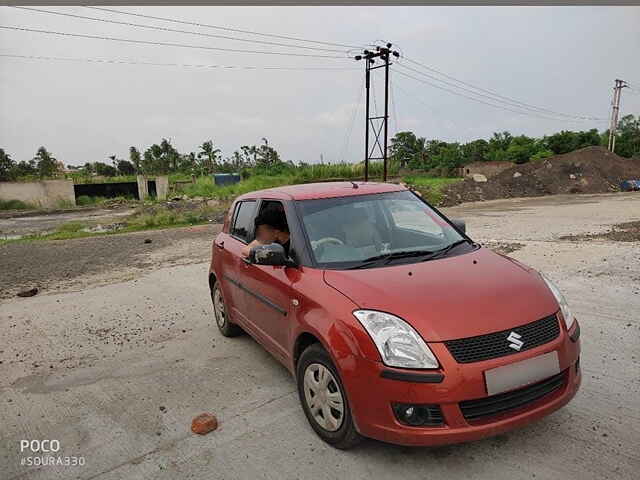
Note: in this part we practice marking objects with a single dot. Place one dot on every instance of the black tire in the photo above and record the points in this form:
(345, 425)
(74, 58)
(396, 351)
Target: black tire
(346, 436)
(225, 326)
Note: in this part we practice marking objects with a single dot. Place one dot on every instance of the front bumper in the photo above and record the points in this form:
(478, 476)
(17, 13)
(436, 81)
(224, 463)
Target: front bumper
(372, 393)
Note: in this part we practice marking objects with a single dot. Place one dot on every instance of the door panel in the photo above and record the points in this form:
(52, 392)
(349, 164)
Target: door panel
(232, 265)
(268, 296)
(230, 245)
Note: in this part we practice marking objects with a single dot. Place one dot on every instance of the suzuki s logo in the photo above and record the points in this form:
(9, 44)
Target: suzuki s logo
(516, 343)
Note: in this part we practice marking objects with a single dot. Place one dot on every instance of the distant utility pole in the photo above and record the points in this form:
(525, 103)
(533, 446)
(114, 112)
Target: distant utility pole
(615, 109)
(370, 122)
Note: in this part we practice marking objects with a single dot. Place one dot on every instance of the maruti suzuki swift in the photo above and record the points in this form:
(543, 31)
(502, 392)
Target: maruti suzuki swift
(395, 324)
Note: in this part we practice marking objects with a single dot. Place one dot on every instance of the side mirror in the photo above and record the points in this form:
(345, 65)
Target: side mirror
(460, 224)
(272, 254)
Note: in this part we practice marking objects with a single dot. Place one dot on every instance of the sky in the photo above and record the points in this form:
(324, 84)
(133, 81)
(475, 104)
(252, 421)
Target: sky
(560, 58)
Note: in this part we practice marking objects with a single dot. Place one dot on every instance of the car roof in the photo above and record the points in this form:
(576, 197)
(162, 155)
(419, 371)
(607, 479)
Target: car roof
(309, 191)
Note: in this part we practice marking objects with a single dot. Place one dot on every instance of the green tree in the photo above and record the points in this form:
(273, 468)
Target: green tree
(433, 152)
(448, 158)
(267, 157)
(125, 167)
(163, 158)
(105, 170)
(521, 149)
(135, 159)
(88, 169)
(475, 151)
(407, 150)
(189, 163)
(208, 156)
(25, 169)
(7, 167)
(628, 137)
(567, 141)
(171, 154)
(498, 145)
(47, 165)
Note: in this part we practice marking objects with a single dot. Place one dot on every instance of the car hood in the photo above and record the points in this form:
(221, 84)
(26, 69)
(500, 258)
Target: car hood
(453, 297)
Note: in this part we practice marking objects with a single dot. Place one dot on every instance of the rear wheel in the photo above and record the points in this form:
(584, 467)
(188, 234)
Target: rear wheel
(227, 328)
(324, 400)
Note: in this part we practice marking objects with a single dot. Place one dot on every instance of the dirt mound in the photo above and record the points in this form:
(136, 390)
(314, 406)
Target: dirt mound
(588, 170)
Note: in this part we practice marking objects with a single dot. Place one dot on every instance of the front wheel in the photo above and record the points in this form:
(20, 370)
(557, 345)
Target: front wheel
(227, 328)
(324, 400)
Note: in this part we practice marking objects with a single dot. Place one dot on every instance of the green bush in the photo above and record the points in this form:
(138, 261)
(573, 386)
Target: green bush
(541, 155)
(430, 187)
(14, 205)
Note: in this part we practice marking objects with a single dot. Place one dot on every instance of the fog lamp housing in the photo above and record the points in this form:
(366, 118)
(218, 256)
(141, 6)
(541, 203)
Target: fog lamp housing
(418, 415)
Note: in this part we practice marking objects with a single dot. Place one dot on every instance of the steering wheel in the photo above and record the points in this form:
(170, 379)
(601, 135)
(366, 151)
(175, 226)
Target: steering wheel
(320, 245)
(325, 240)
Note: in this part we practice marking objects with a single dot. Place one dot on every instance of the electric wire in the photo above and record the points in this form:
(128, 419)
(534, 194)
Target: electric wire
(393, 103)
(502, 107)
(510, 100)
(415, 97)
(157, 64)
(347, 143)
(165, 44)
(218, 27)
(173, 30)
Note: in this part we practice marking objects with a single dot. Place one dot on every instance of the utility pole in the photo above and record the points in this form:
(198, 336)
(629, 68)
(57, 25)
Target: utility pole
(615, 109)
(383, 53)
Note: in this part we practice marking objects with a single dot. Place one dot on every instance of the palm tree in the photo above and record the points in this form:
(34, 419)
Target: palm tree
(210, 154)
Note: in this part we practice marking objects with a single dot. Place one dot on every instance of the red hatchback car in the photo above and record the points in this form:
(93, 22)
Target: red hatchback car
(394, 323)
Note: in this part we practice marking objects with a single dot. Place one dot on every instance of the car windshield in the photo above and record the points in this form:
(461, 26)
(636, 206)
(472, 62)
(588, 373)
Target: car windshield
(374, 230)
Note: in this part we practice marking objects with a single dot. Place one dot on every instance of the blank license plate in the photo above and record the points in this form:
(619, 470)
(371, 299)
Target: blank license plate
(514, 375)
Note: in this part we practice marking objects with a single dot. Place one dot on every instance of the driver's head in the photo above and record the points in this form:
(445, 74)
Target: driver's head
(271, 226)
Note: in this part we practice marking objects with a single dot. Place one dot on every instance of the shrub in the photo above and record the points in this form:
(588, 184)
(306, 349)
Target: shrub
(14, 205)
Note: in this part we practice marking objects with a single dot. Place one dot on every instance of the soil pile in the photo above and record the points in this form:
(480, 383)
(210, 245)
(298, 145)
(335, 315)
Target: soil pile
(588, 170)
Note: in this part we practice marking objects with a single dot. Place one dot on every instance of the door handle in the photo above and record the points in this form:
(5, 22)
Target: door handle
(219, 245)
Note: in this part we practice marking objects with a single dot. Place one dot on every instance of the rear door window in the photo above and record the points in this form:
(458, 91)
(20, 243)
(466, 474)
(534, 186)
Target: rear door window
(242, 227)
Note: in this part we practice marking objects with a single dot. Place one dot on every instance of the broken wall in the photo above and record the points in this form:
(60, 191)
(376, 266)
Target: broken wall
(44, 193)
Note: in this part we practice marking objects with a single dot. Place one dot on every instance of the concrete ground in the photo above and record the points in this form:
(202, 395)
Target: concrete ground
(116, 372)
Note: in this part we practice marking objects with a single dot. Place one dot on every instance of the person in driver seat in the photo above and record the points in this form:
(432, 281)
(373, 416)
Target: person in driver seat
(270, 227)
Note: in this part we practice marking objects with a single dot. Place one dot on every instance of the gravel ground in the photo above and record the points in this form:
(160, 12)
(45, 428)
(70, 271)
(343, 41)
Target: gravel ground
(116, 372)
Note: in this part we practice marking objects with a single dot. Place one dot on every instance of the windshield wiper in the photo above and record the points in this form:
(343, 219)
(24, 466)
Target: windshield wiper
(443, 251)
(388, 257)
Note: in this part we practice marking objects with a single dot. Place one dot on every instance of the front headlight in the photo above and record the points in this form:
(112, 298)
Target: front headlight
(398, 343)
(564, 306)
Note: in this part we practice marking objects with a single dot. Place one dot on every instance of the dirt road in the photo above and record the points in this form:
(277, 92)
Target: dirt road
(76, 264)
(28, 223)
(115, 370)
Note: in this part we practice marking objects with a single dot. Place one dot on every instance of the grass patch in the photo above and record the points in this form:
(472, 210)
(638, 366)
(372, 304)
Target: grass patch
(64, 204)
(71, 227)
(204, 186)
(151, 218)
(430, 187)
(83, 179)
(85, 200)
(14, 205)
